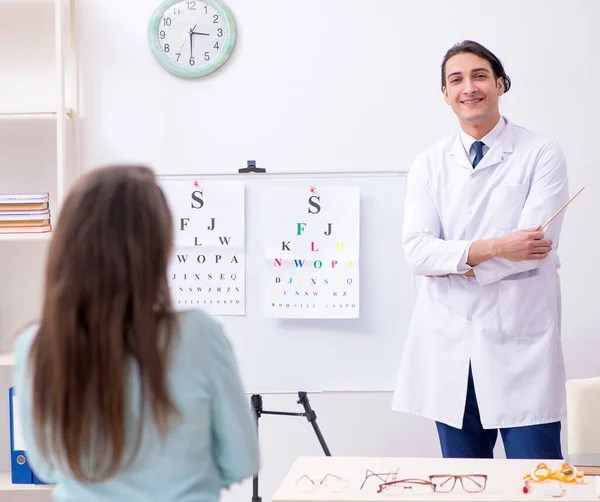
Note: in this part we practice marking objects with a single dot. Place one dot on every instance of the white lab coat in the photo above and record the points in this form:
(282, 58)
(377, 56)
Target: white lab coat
(506, 321)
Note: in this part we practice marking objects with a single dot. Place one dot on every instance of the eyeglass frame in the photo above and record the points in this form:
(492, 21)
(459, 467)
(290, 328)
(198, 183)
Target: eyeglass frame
(381, 475)
(414, 481)
(461, 476)
(434, 486)
(318, 483)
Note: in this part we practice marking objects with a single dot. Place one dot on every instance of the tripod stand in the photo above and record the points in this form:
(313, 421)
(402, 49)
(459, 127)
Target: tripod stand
(310, 415)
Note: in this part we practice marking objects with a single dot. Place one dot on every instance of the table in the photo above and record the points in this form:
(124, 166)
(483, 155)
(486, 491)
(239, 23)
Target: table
(504, 483)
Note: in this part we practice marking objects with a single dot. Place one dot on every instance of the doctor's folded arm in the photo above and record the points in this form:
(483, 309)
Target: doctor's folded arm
(483, 354)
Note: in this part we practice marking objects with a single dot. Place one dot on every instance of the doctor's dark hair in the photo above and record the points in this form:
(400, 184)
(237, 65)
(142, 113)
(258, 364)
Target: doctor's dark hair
(468, 46)
(107, 314)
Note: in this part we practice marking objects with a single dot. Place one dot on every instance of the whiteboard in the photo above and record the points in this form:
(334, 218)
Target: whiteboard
(288, 355)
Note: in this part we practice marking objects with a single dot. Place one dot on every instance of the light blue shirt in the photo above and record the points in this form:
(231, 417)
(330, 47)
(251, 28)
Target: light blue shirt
(213, 445)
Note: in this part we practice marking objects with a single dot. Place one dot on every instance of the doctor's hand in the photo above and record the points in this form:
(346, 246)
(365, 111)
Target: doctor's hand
(523, 245)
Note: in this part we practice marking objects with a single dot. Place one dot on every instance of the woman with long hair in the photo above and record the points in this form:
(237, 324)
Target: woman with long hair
(121, 398)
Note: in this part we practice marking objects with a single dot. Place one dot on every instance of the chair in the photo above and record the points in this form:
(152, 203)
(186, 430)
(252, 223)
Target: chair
(583, 424)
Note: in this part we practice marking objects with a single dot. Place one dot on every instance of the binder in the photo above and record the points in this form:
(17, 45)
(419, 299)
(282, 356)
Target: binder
(38, 481)
(20, 471)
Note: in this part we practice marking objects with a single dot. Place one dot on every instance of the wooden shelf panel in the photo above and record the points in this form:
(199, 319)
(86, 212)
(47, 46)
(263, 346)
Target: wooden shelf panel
(26, 237)
(7, 359)
(7, 113)
(27, 2)
(6, 484)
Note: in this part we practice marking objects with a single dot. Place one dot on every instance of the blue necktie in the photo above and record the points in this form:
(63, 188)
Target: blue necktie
(478, 147)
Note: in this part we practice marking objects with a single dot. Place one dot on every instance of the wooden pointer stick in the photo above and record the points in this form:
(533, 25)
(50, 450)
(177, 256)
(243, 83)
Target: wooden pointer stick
(558, 212)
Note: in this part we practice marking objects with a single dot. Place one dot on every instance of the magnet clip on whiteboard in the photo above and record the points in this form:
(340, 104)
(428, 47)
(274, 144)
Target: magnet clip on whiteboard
(252, 168)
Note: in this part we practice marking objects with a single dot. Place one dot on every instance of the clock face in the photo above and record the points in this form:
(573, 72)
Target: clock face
(191, 38)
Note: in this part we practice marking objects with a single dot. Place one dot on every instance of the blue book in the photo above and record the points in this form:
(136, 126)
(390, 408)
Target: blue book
(20, 471)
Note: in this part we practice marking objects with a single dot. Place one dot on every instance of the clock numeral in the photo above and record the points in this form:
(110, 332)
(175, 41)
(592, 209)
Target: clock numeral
(192, 61)
(206, 9)
(215, 18)
(206, 56)
(166, 48)
(178, 54)
(176, 10)
(217, 46)
(191, 5)
(162, 34)
(167, 21)
(220, 32)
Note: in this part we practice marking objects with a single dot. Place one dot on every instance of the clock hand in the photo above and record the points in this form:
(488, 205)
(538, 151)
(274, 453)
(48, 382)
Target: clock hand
(192, 41)
(184, 42)
(196, 33)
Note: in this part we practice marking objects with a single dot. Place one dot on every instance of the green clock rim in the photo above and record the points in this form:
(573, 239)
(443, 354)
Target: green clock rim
(167, 63)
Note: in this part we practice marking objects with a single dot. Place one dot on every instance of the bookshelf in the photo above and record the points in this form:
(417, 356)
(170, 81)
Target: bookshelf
(39, 104)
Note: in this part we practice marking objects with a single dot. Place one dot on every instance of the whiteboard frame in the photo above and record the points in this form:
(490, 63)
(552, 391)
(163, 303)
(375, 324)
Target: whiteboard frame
(282, 174)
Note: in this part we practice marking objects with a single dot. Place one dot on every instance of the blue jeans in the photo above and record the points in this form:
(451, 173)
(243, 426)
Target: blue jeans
(473, 441)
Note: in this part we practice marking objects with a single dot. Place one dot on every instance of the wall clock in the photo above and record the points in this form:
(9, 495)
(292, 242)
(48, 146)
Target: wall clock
(191, 38)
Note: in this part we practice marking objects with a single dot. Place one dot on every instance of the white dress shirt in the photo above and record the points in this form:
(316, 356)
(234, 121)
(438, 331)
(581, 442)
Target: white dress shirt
(488, 140)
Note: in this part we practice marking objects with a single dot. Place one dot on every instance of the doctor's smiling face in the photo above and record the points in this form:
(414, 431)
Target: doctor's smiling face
(472, 90)
(471, 87)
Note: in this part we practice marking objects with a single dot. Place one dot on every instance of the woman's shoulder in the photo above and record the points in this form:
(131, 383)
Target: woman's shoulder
(195, 319)
(24, 340)
(200, 329)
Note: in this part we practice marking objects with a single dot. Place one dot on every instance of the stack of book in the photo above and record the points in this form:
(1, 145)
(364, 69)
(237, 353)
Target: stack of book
(24, 213)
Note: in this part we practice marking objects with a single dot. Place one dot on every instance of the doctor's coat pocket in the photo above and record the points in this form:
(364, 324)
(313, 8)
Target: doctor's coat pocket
(506, 205)
(525, 305)
(431, 308)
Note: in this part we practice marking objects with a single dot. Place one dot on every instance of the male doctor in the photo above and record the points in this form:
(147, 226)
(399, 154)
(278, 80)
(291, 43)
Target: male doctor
(484, 351)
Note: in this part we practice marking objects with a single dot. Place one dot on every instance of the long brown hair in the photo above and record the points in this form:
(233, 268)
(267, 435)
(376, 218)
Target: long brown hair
(106, 305)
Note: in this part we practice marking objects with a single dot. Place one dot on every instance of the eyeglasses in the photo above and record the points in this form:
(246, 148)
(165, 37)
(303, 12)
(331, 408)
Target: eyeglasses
(440, 483)
(386, 477)
(472, 483)
(407, 486)
(566, 474)
(331, 482)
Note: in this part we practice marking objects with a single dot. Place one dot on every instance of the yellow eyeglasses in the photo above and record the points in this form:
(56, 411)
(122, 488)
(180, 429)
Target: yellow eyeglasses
(565, 474)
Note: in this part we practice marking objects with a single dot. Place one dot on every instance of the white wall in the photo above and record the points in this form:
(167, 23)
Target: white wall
(351, 85)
